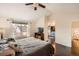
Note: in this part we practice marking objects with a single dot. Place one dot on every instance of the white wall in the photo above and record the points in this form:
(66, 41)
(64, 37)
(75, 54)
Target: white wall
(63, 30)
(64, 15)
(64, 27)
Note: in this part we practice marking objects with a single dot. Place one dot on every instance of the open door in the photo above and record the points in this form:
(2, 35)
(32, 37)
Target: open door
(51, 31)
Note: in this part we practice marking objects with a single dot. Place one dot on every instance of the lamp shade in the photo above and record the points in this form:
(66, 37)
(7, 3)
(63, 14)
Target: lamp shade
(76, 33)
(51, 23)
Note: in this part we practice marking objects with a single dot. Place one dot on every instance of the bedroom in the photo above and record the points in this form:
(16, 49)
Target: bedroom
(17, 17)
(20, 21)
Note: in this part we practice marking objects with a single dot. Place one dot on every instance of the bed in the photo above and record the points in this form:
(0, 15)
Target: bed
(34, 47)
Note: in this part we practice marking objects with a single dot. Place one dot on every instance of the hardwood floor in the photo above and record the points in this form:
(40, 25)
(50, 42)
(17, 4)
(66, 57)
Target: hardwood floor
(62, 50)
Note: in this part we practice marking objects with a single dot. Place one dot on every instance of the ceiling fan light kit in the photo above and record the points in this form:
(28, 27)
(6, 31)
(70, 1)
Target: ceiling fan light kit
(35, 5)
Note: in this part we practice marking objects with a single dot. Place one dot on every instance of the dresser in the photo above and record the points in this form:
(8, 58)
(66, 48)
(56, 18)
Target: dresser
(39, 35)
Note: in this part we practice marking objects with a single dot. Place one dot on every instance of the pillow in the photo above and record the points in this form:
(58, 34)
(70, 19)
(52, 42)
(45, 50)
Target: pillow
(16, 47)
(3, 41)
(10, 40)
(1, 47)
(12, 44)
(21, 37)
(4, 46)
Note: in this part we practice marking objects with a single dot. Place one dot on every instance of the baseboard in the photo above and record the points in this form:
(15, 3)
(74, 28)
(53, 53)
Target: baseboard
(63, 45)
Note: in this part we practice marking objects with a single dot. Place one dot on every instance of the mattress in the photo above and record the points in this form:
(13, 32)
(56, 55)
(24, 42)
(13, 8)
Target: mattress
(32, 46)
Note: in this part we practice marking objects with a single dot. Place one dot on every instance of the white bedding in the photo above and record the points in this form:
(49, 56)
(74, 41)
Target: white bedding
(31, 44)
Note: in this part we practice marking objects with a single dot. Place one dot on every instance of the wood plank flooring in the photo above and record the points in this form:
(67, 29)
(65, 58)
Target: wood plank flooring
(62, 50)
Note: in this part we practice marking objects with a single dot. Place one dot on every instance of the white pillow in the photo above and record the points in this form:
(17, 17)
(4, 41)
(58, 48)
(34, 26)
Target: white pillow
(3, 41)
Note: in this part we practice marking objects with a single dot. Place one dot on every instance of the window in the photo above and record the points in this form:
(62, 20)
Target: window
(21, 30)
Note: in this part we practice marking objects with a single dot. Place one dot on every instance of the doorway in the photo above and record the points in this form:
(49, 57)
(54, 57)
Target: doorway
(51, 31)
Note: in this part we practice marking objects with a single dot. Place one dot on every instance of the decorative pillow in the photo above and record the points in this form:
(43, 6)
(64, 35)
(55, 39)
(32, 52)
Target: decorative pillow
(15, 46)
(10, 40)
(12, 44)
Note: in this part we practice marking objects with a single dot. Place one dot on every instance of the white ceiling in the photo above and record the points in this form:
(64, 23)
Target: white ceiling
(66, 10)
(20, 11)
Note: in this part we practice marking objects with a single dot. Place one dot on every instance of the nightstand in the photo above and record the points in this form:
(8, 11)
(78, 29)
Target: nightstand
(75, 47)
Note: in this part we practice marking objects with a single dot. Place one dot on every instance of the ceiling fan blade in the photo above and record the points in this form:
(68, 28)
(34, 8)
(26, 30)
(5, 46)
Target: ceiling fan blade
(28, 3)
(42, 5)
(35, 8)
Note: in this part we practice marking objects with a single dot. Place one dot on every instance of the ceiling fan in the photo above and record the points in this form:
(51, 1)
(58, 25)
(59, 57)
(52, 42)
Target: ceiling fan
(35, 5)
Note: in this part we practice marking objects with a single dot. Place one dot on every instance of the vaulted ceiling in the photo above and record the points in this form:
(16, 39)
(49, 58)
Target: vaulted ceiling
(64, 10)
(20, 11)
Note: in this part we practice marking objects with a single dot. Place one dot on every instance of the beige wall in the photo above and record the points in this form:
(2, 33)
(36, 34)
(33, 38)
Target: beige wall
(37, 23)
(5, 27)
(42, 22)
(75, 24)
(46, 28)
(32, 28)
